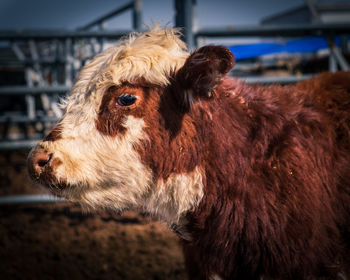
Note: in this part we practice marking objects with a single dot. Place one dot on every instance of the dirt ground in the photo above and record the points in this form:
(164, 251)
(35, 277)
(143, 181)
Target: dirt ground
(60, 241)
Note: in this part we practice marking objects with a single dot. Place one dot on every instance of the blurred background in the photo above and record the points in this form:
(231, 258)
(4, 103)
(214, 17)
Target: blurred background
(44, 44)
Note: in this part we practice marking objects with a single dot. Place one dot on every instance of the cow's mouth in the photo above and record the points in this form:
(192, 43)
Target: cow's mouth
(50, 182)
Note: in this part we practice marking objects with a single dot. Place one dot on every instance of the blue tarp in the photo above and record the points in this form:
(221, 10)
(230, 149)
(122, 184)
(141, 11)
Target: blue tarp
(304, 45)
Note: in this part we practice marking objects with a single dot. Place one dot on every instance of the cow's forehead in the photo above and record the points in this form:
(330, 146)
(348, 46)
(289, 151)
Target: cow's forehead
(151, 56)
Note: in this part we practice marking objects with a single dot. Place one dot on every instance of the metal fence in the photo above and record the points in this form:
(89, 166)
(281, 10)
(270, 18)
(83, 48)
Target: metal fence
(48, 62)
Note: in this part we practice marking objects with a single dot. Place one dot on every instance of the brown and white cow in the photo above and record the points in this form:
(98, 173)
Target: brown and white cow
(254, 179)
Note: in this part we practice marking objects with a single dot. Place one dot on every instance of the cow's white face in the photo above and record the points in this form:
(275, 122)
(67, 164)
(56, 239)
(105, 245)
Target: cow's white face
(123, 142)
(97, 169)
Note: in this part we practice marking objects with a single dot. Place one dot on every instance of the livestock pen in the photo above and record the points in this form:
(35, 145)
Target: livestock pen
(61, 240)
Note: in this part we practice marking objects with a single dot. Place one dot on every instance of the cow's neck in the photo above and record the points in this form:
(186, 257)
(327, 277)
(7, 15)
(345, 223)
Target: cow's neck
(172, 198)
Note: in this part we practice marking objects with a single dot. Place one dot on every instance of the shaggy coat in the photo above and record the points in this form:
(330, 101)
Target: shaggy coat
(254, 179)
(277, 198)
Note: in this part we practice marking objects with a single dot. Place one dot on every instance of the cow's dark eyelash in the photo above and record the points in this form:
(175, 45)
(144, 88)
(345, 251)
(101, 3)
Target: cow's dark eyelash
(126, 99)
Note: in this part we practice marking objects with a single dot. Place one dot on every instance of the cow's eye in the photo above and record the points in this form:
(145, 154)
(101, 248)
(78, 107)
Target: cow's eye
(126, 99)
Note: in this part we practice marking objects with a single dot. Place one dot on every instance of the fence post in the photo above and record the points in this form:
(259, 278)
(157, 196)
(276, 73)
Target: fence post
(137, 15)
(184, 19)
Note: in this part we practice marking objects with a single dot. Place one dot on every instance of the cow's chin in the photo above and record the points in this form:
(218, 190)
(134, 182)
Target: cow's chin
(57, 186)
(61, 189)
(48, 182)
(90, 197)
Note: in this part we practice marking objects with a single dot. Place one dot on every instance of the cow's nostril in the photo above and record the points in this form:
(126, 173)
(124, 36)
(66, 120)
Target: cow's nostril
(40, 160)
(37, 161)
(43, 162)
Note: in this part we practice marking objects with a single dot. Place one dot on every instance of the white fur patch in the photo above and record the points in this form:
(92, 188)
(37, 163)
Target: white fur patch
(103, 171)
(172, 198)
(215, 277)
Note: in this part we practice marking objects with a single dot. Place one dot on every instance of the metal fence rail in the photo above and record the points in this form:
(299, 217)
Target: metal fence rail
(17, 144)
(23, 90)
(273, 80)
(30, 199)
(327, 30)
(60, 34)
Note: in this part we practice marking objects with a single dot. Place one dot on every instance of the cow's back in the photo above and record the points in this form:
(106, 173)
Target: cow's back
(330, 92)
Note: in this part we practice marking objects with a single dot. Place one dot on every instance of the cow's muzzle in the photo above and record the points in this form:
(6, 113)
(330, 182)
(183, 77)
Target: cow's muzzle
(41, 165)
(38, 160)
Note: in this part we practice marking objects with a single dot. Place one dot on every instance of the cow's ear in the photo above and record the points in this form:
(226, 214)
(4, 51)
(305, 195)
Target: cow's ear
(202, 71)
